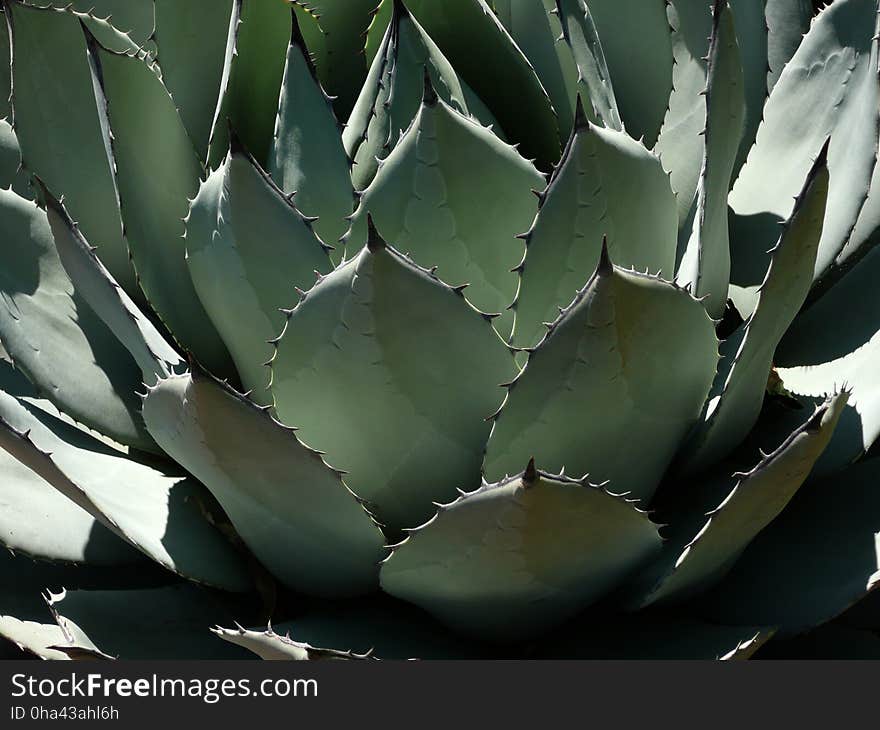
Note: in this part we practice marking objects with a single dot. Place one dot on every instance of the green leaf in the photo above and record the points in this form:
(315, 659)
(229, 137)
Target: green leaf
(592, 78)
(393, 92)
(787, 23)
(376, 31)
(641, 71)
(500, 74)
(341, 66)
(856, 372)
(248, 250)
(427, 200)
(804, 109)
(817, 558)
(12, 175)
(191, 40)
(160, 514)
(698, 552)
(157, 172)
(55, 338)
(680, 144)
(393, 374)
(514, 558)
(271, 646)
(259, 32)
(60, 130)
(172, 622)
(591, 196)
(5, 70)
(738, 392)
(293, 511)
(132, 18)
(630, 360)
(308, 157)
(705, 265)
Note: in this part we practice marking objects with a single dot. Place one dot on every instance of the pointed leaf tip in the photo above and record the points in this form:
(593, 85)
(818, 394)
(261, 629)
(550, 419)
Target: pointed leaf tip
(604, 267)
(375, 242)
(530, 475)
(581, 121)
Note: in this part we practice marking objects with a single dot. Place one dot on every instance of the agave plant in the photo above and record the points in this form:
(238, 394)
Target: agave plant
(439, 329)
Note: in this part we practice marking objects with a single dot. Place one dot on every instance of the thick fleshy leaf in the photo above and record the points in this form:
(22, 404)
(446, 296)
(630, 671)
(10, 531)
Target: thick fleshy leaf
(803, 110)
(698, 552)
(705, 265)
(500, 74)
(259, 32)
(163, 515)
(427, 200)
(293, 511)
(514, 558)
(60, 130)
(635, 349)
(341, 66)
(171, 622)
(591, 196)
(271, 646)
(308, 157)
(816, 560)
(132, 18)
(787, 23)
(856, 372)
(55, 338)
(750, 20)
(738, 392)
(393, 374)
(248, 249)
(641, 72)
(191, 40)
(393, 92)
(5, 70)
(157, 173)
(105, 297)
(12, 175)
(681, 145)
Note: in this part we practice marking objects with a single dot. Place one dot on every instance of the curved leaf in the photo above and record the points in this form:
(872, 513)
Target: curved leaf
(12, 175)
(133, 18)
(787, 23)
(308, 157)
(293, 511)
(157, 172)
(270, 646)
(427, 200)
(630, 360)
(591, 196)
(248, 250)
(516, 557)
(393, 374)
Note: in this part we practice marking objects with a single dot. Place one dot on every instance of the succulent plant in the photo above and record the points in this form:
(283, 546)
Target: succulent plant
(317, 320)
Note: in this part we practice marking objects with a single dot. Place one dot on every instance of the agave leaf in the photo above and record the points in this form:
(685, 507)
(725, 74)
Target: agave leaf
(248, 249)
(158, 513)
(134, 19)
(803, 110)
(60, 130)
(157, 172)
(581, 39)
(393, 91)
(12, 176)
(787, 23)
(376, 31)
(652, 636)
(171, 622)
(590, 196)
(254, 69)
(738, 393)
(45, 640)
(341, 66)
(697, 551)
(516, 557)
(393, 374)
(5, 69)
(856, 372)
(191, 41)
(641, 72)
(55, 338)
(500, 74)
(293, 511)
(705, 265)
(680, 144)
(428, 201)
(632, 347)
(271, 646)
(816, 560)
(308, 157)
(105, 297)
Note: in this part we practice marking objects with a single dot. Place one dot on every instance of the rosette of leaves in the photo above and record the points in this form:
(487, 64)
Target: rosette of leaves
(460, 329)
